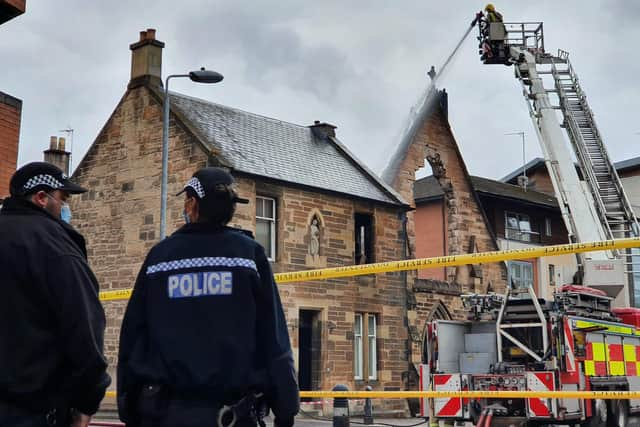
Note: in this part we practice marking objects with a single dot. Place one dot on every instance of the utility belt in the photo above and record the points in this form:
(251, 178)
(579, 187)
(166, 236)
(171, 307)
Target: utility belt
(56, 417)
(251, 409)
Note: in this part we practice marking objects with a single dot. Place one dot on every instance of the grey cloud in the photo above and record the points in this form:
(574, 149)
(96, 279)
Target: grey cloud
(358, 64)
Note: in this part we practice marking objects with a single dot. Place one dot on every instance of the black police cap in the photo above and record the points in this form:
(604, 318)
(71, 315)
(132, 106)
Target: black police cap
(37, 176)
(210, 180)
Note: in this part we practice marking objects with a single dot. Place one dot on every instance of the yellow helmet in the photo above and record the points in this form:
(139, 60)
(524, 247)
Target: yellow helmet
(490, 8)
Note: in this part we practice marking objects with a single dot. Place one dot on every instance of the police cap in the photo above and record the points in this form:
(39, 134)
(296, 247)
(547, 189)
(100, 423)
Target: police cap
(211, 181)
(37, 176)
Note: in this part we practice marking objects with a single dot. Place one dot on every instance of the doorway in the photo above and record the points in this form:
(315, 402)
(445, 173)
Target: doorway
(309, 350)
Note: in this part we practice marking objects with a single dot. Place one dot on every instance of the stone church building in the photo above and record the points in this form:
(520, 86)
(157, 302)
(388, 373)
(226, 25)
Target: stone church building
(312, 205)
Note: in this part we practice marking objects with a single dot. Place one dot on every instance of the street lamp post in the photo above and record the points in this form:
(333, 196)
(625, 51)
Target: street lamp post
(200, 76)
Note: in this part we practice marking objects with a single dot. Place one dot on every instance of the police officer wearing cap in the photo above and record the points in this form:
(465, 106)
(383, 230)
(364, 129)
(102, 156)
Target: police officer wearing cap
(204, 339)
(52, 367)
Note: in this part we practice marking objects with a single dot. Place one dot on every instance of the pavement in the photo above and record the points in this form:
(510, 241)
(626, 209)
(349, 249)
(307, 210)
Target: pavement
(306, 421)
(321, 421)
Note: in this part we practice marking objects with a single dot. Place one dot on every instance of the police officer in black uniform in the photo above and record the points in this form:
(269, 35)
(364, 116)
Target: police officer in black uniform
(204, 339)
(52, 367)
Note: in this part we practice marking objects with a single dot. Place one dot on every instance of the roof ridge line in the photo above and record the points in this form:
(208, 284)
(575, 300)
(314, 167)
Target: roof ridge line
(195, 98)
(359, 163)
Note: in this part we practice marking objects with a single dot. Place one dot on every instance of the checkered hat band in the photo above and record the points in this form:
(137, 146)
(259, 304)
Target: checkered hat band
(197, 187)
(47, 180)
(181, 264)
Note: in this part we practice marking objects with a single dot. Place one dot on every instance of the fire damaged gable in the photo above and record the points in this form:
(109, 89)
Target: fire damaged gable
(428, 137)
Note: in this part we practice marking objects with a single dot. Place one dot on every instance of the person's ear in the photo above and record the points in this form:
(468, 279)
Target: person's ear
(41, 199)
(194, 214)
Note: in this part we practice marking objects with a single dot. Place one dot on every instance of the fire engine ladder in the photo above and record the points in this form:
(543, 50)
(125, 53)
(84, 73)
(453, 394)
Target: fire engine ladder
(525, 42)
(612, 204)
(522, 310)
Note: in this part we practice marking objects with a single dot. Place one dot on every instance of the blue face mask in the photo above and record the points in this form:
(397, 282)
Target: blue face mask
(65, 210)
(65, 213)
(187, 220)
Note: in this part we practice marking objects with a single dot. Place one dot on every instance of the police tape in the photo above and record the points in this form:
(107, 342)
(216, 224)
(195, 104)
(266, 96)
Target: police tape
(423, 263)
(120, 294)
(482, 394)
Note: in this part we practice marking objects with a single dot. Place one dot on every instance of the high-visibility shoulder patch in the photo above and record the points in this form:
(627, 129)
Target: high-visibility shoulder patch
(186, 263)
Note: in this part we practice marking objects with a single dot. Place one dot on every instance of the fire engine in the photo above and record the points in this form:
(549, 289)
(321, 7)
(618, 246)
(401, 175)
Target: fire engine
(575, 340)
(517, 341)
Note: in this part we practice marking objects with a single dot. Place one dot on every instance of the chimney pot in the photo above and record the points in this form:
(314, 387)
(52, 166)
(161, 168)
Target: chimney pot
(151, 34)
(143, 35)
(56, 154)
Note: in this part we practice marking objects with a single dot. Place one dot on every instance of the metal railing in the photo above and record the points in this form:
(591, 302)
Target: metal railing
(525, 35)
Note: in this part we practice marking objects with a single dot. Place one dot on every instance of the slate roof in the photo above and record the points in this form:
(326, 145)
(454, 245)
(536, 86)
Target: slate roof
(627, 164)
(275, 149)
(428, 188)
(513, 192)
(530, 166)
(538, 162)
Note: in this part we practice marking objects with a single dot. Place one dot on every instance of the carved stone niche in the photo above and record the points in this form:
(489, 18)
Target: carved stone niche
(314, 239)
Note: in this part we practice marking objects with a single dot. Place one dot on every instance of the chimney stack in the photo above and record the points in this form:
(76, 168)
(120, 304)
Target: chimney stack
(57, 155)
(323, 130)
(146, 60)
(523, 181)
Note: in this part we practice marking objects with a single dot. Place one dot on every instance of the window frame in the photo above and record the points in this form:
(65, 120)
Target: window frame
(358, 347)
(518, 233)
(547, 227)
(521, 264)
(372, 347)
(271, 221)
(365, 231)
(365, 347)
(552, 274)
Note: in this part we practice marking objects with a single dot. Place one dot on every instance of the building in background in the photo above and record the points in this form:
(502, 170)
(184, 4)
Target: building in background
(538, 178)
(10, 111)
(10, 118)
(517, 218)
(629, 173)
(9, 9)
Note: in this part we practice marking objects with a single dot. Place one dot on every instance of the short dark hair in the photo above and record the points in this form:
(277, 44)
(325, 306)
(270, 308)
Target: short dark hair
(30, 193)
(217, 208)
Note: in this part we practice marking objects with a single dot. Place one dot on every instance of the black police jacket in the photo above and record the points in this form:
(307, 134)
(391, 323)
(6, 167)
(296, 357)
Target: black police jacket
(51, 320)
(205, 321)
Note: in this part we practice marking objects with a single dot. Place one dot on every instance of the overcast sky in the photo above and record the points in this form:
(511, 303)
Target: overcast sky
(360, 65)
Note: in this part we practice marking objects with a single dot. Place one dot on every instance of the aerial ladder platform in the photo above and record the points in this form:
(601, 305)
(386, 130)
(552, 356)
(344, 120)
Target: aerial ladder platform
(592, 201)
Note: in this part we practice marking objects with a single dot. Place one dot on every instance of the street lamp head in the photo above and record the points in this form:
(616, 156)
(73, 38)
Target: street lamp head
(205, 76)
